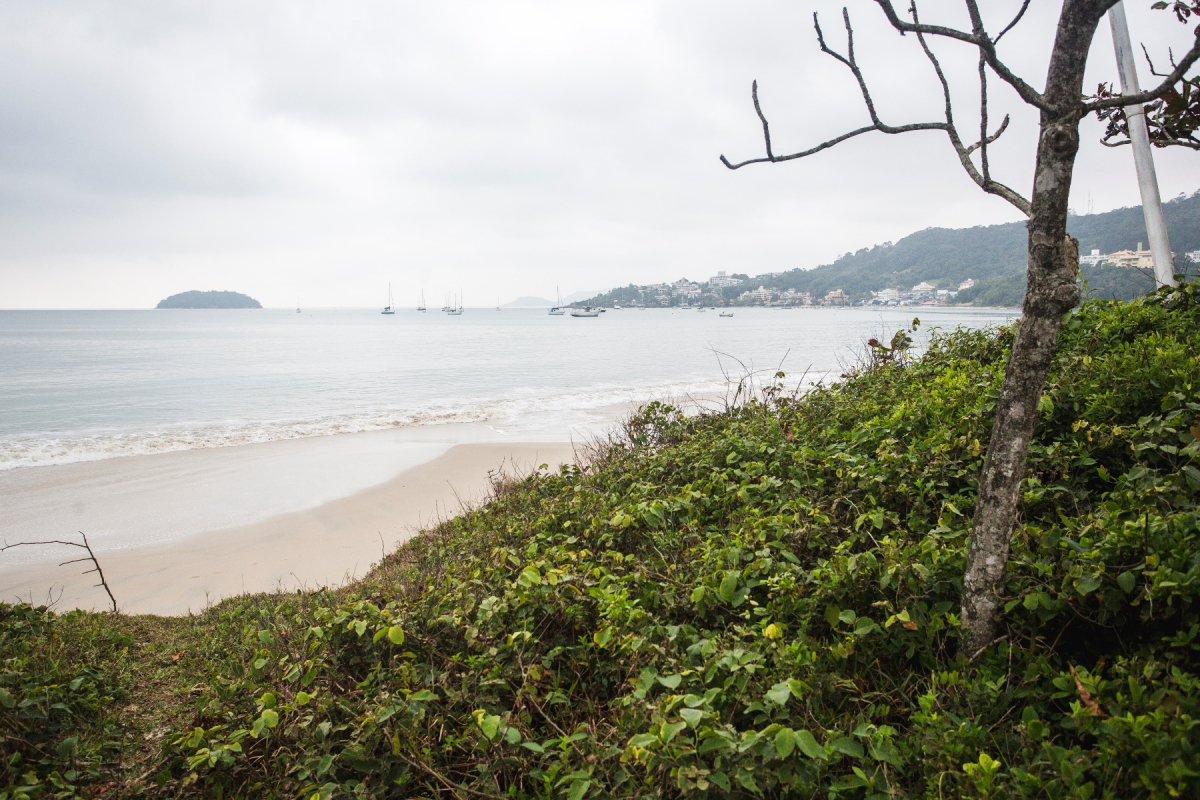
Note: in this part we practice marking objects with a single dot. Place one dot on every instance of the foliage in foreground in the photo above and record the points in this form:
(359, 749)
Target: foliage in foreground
(757, 602)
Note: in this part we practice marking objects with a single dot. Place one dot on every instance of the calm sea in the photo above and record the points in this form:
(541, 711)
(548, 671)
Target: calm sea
(90, 385)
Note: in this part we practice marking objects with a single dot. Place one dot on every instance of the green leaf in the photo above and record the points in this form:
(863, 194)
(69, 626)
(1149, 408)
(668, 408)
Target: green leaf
(729, 585)
(326, 763)
(489, 724)
(670, 729)
(512, 735)
(697, 594)
(643, 740)
(603, 637)
(808, 745)
(746, 779)
(395, 635)
(270, 717)
(1031, 601)
(1089, 584)
(6, 699)
(831, 615)
(848, 616)
(844, 744)
(530, 576)
(721, 780)
(671, 681)
(578, 790)
(796, 687)
(691, 716)
(360, 627)
(423, 696)
(533, 746)
(779, 693)
(1126, 580)
(785, 742)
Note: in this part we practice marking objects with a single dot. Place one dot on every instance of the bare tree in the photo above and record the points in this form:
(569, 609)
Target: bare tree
(1053, 256)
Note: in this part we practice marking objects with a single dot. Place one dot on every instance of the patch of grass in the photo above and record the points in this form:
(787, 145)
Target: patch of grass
(761, 601)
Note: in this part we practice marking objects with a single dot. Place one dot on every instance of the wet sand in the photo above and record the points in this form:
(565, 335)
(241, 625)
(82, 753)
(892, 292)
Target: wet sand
(325, 545)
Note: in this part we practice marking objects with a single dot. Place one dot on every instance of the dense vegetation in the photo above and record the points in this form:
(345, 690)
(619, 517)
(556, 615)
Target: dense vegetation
(995, 256)
(756, 602)
(197, 299)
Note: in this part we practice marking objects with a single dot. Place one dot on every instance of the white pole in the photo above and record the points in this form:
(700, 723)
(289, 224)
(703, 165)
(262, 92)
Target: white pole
(1156, 225)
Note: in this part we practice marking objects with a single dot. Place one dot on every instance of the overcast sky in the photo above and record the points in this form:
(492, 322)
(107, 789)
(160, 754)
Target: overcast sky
(320, 150)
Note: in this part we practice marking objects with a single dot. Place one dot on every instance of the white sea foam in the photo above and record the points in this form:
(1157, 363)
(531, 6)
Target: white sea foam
(45, 450)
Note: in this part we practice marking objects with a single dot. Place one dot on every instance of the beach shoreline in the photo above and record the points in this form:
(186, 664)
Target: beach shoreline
(328, 544)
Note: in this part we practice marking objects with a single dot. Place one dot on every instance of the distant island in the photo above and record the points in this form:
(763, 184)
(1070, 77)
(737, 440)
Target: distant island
(196, 299)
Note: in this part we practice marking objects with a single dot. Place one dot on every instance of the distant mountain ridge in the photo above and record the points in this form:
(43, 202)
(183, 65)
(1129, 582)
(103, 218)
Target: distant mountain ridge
(995, 256)
(212, 299)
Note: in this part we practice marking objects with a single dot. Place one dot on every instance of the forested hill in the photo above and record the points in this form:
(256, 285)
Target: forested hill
(994, 255)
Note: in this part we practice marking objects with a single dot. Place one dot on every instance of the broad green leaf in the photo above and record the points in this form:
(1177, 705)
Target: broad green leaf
(844, 744)
(1126, 580)
(779, 693)
(746, 779)
(721, 780)
(671, 681)
(729, 585)
(512, 735)
(270, 717)
(848, 616)
(395, 635)
(643, 740)
(603, 637)
(326, 763)
(529, 744)
(423, 696)
(796, 687)
(785, 742)
(670, 729)
(578, 790)
(832, 615)
(808, 745)
(691, 716)
(1089, 584)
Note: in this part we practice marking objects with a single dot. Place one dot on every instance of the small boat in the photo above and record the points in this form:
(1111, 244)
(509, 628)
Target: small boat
(497, 302)
(389, 308)
(616, 306)
(297, 305)
(557, 310)
(421, 304)
(702, 309)
(726, 314)
(586, 311)
(453, 311)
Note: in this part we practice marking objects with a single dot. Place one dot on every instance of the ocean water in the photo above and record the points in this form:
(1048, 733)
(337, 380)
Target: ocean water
(91, 385)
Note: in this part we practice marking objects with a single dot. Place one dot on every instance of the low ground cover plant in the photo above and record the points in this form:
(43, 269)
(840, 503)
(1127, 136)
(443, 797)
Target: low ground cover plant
(760, 601)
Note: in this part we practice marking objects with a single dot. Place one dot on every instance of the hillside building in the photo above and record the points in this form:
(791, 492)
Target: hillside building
(721, 280)
(967, 284)
(837, 298)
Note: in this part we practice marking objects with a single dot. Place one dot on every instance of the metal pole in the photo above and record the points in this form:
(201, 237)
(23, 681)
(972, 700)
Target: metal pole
(1156, 225)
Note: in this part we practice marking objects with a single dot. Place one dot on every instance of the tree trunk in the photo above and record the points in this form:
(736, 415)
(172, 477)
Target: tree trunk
(1052, 292)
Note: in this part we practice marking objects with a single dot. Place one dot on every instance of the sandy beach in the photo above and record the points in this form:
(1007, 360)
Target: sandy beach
(324, 545)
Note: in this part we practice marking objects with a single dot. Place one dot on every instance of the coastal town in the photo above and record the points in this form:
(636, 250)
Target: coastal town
(725, 289)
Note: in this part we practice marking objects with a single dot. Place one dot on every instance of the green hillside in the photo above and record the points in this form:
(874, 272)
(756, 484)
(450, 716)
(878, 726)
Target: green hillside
(995, 256)
(757, 602)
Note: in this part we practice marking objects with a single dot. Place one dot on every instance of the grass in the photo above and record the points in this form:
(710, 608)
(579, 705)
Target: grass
(757, 602)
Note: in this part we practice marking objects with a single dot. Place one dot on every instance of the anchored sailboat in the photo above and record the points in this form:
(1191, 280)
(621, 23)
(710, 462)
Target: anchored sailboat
(389, 309)
(452, 311)
(557, 310)
(421, 304)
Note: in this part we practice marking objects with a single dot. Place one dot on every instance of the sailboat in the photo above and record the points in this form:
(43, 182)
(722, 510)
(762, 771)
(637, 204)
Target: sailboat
(421, 305)
(497, 302)
(557, 310)
(297, 304)
(389, 309)
(455, 312)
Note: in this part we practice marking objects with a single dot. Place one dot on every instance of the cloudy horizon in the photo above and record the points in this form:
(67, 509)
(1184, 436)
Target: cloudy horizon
(313, 151)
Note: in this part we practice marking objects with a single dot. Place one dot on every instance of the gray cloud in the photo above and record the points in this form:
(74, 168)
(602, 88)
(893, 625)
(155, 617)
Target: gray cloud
(322, 149)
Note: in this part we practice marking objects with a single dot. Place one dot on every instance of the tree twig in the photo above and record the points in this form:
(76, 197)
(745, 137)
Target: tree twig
(91, 556)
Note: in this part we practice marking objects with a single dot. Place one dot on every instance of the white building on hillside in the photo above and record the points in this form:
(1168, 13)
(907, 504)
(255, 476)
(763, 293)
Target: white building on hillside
(721, 279)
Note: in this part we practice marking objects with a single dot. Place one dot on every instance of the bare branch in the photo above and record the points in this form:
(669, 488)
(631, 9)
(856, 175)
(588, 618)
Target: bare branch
(766, 127)
(91, 556)
(1013, 24)
(979, 38)
(1121, 101)
(852, 64)
(964, 152)
(999, 132)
